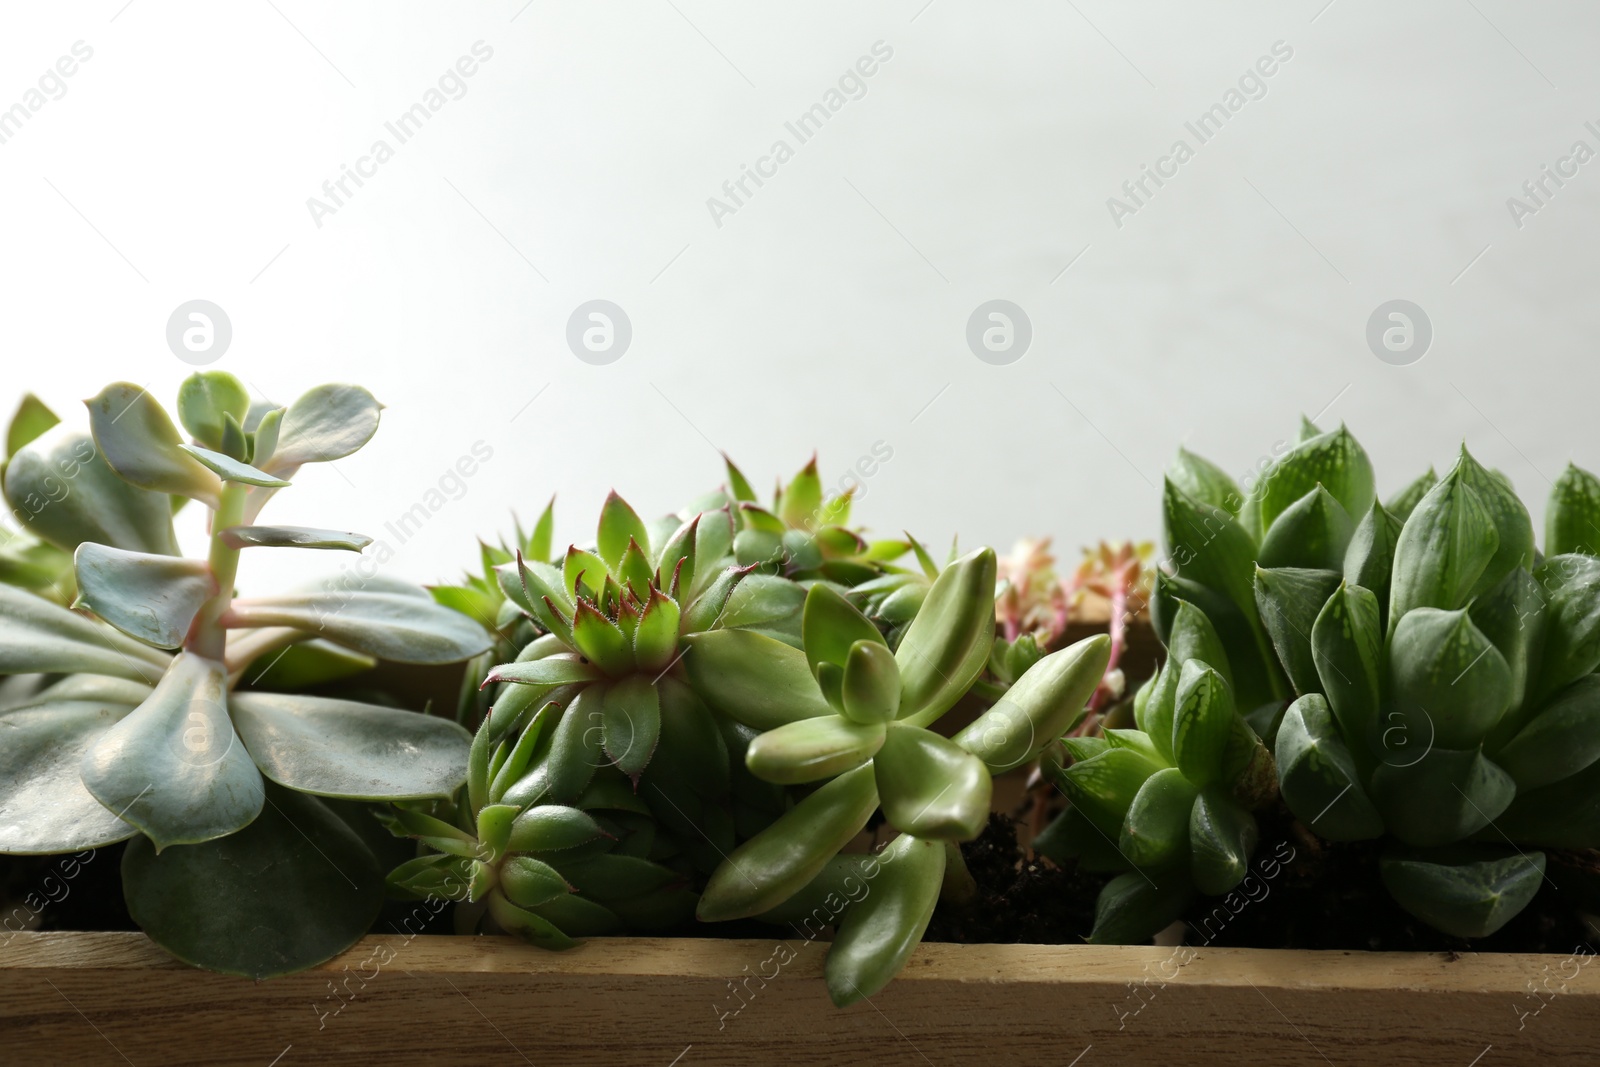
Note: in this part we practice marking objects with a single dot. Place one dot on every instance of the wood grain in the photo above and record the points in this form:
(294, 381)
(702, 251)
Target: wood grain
(112, 998)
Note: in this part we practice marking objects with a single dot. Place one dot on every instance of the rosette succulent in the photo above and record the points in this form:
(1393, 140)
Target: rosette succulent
(139, 727)
(847, 712)
(1441, 671)
(1168, 805)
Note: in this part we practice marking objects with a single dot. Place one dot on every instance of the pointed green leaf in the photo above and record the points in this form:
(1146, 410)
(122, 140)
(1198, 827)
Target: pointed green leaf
(549, 670)
(1132, 909)
(1191, 636)
(675, 568)
(1512, 524)
(528, 882)
(631, 716)
(583, 570)
(1347, 647)
(1571, 587)
(870, 689)
(619, 524)
(1446, 679)
(174, 766)
(802, 500)
(767, 604)
(343, 748)
(737, 483)
(552, 828)
(1155, 832)
(655, 642)
(577, 747)
(1222, 837)
(1446, 796)
(753, 679)
(1290, 599)
(1572, 518)
(878, 933)
(1209, 546)
(528, 925)
(1313, 532)
(776, 863)
(1464, 892)
(1202, 723)
(292, 537)
(1513, 618)
(151, 598)
(1157, 709)
(62, 490)
(831, 625)
(1104, 785)
(1442, 550)
(1318, 776)
(140, 443)
(32, 418)
(1562, 739)
(947, 645)
(1403, 503)
(1369, 559)
(1205, 482)
(44, 807)
(1335, 460)
(812, 749)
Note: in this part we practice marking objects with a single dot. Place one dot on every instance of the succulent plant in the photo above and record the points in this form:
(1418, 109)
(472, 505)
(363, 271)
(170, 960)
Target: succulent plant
(1168, 805)
(1440, 670)
(847, 712)
(149, 736)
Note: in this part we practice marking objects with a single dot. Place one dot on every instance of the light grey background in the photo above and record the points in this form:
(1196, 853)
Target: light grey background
(830, 310)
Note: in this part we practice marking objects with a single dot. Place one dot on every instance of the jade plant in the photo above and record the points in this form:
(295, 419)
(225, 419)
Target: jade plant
(1425, 675)
(243, 854)
(846, 712)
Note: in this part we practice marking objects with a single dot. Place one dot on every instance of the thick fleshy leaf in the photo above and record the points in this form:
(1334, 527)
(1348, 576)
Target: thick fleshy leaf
(1446, 680)
(631, 716)
(1571, 586)
(528, 925)
(1347, 648)
(1403, 503)
(552, 828)
(1209, 546)
(577, 746)
(947, 644)
(601, 640)
(1442, 550)
(1155, 832)
(1045, 703)
(675, 567)
(619, 524)
(1466, 892)
(1513, 618)
(140, 443)
(655, 642)
(692, 750)
(706, 612)
(1561, 740)
(1334, 459)
(766, 604)
(294, 888)
(1318, 776)
(549, 670)
(1572, 518)
(174, 766)
(870, 687)
(780, 860)
(1222, 837)
(1369, 559)
(930, 786)
(753, 679)
(1290, 599)
(32, 418)
(39, 637)
(1510, 518)
(1313, 532)
(1132, 908)
(1102, 786)
(1205, 482)
(831, 625)
(205, 399)
(1253, 668)
(801, 504)
(292, 537)
(528, 882)
(812, 749)
(878, 933)
(342, 748)
(44, 806)
(738, 484)
(327, 423)
(1446, 796)
(1192, 636)
(1203, 722)
(151, 598)
(395, 626)
(61, 489)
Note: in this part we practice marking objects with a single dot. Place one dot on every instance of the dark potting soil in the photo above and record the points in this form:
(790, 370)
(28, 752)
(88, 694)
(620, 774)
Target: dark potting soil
(1019, 901)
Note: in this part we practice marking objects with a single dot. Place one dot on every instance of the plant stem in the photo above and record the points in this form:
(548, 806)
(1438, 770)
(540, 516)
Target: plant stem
(207, 637)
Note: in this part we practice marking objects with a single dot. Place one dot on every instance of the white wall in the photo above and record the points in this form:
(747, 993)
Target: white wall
(831, 308)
